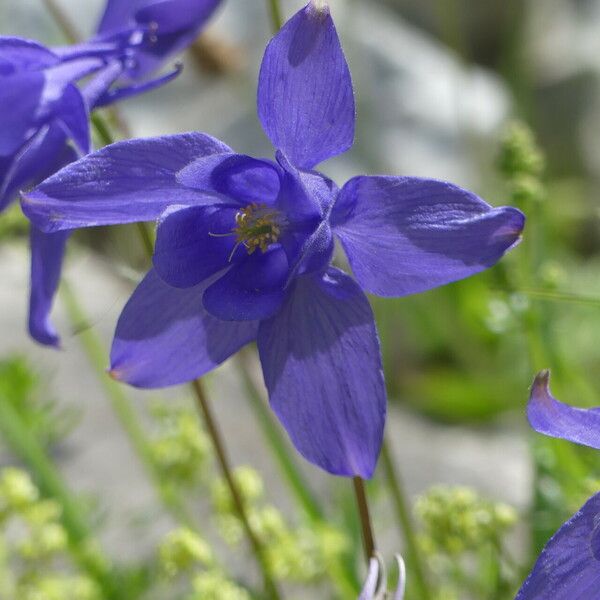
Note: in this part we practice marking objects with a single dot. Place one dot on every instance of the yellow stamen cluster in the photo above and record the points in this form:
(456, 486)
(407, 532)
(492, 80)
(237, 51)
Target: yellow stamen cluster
(257, 226)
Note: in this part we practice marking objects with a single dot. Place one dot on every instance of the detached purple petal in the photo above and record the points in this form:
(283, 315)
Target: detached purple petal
(322, 368)
(555, 419)
(126, 182)
(405, 235)
(47, 251)
(569, 566)
(164, 336)
(305, 98)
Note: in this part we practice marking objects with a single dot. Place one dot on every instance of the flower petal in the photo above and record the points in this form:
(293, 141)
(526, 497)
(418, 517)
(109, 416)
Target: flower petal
(164, 337)
(370, 586)
(125, 182)
(405, 235)
(555, 419)
(19, 54)
(47, 252)
(305, 98)
(44, 154)
(236, 176)
(322, 368)
(19, 102)
(569, 566)
(176, 15)
(72, 113)
(193, 243)
(252, 289)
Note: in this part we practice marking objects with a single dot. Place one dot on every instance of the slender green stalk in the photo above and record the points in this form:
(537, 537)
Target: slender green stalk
(123, 408)
(365, 518)
(552, 295)
(65, 24)
(85, 550)
(417, 564)
(276, 15)
(223, 459)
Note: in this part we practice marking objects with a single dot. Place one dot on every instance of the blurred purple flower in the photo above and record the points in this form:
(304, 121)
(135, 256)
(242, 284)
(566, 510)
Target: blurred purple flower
(164, 27)
(569, 565)
(44, 117)
(244, 249)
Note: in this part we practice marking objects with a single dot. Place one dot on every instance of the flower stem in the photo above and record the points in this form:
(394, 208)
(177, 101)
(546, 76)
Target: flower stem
(211, 426)
(404, 518)
(65, 24)
(276, 17)
(365, 518)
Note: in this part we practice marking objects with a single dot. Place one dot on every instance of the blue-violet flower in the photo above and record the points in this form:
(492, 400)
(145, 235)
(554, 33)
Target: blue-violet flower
(244, 249)
(44, 117)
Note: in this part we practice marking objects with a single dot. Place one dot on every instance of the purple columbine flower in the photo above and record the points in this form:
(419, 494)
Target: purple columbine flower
(569, 566)
(44, 116)
(244, 249)
(165, 27)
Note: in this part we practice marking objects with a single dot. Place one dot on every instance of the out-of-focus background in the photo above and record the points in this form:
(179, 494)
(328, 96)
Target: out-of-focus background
(439, 86)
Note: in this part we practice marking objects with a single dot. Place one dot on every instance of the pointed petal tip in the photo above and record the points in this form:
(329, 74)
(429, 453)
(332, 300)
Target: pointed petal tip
(115, 374)
(542, 379)
(319, 7)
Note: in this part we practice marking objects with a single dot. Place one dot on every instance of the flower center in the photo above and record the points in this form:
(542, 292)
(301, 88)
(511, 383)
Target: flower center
(257, 226)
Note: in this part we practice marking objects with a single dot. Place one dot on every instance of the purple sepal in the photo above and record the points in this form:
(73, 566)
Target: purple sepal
(126, 182)
(47, 252)
(553, 418)
(405, 235)
(322, 367)
(164, 337)
(305, 97)
(569, 566)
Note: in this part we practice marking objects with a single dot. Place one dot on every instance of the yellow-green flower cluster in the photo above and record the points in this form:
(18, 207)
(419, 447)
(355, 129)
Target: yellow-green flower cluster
(523, 164)
(180, 448)
(184, 553)
(296, 554)
(457, 520)
(34, 558)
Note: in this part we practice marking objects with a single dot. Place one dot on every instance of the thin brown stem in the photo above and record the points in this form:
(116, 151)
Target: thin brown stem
(275, 13)
(215, 435)
(68, 29)
(365, 517)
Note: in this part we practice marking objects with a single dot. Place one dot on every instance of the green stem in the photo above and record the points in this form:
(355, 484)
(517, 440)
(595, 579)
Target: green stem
(66, 26)
(552, 295)
(121, 405)
(223, 459)
(365, 518)
(404, 518)
(276, 15)
(85, 549)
